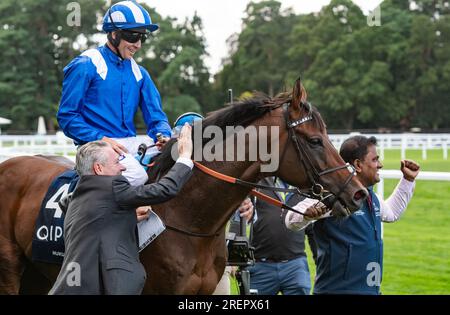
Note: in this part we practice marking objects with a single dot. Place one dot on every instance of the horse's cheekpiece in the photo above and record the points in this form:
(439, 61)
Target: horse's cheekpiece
(48, 236)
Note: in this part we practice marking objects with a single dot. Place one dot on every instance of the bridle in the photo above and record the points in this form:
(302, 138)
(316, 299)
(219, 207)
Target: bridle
(316, 191)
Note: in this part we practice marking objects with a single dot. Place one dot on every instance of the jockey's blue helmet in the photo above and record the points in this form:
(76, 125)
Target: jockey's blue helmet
(189, 117)
(127, 15)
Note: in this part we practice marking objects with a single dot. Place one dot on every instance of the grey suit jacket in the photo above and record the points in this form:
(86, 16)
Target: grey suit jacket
(101, 254)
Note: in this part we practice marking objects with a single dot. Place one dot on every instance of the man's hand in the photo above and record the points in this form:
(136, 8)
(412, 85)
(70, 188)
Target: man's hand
(143, 213)
(410, 169)
(120, 149)
(246, 209)
(185, 142)
(315, 211)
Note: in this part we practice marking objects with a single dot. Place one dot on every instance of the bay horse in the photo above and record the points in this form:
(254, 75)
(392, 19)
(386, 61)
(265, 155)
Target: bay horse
(190, 256)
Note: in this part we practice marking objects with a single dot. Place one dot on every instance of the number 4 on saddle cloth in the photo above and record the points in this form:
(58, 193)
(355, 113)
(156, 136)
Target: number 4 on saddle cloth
(48, 236)
(48, 239)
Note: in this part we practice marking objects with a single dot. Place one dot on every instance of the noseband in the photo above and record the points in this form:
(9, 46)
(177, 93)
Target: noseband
(316, 191)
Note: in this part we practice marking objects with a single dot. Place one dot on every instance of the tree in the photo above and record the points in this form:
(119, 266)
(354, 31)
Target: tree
(258, 62)
(174, 106)
(37, 39)
(335, 69)
(175, 58)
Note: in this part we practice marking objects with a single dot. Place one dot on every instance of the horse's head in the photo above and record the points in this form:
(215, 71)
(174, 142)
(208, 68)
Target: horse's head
(309, 159)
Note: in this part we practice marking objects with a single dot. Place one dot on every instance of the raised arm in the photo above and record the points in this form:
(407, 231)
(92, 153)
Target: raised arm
(393, 207)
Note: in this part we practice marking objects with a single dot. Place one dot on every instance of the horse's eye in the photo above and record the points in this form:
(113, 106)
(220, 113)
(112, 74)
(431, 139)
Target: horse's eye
(315, 141)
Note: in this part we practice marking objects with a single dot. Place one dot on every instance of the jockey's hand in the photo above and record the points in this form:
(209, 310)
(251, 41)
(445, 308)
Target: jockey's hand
(246, 209)
(115, 145)
(162, 142)
(185, 142)
(143, 213)
(410, 169)
(315, 211)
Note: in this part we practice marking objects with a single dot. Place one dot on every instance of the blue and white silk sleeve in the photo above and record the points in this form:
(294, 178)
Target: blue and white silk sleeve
(77, 77)
(151, 107)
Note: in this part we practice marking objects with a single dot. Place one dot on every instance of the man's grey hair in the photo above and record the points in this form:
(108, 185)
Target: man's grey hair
(88, 154)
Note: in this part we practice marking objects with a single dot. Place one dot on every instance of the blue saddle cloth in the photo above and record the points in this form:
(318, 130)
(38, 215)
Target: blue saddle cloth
(48, 237)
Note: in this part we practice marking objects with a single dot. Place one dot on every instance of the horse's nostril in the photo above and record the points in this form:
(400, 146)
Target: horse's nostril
(360, 194)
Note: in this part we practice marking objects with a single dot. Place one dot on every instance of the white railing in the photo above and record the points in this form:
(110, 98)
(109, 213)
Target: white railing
(59, 144)
(11, 146)
(396, 174)
(386, 141)
(404, 141)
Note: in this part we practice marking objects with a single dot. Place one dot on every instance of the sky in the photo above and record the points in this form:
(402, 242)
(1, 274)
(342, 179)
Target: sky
(222, 18)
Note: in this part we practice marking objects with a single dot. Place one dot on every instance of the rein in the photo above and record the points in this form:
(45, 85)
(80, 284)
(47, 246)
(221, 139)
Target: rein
(317, 190)
(254, 192)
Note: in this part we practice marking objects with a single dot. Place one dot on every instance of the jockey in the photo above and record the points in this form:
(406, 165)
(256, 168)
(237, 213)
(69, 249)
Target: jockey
(103, 88)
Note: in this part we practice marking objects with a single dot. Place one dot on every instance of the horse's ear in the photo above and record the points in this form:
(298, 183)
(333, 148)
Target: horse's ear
(298, 95)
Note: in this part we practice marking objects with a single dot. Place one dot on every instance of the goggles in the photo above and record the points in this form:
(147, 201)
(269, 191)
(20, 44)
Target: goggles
(133, 37)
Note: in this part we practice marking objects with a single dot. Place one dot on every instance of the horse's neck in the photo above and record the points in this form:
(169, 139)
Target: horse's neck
(206, 202)
(210, 202)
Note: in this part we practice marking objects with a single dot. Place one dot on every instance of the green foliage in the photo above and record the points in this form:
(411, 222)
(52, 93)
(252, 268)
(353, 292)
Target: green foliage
(36, 42)
(259, 62)
(393, 75)
(175, 58)
(174, 106)
(360, 77)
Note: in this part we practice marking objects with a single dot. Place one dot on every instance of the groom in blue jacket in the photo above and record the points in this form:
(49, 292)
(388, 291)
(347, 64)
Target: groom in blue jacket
(350, 250)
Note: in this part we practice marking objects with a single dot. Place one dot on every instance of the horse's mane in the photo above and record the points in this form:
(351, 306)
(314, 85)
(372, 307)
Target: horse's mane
(241, 113)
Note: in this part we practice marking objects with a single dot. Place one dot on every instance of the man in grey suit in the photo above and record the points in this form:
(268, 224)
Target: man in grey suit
(99, 230)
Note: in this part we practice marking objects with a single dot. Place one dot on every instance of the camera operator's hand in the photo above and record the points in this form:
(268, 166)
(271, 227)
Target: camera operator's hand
(185, 141)
(246, 209)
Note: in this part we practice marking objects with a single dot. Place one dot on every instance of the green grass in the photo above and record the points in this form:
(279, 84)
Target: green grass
(417, 247)
(434, 162)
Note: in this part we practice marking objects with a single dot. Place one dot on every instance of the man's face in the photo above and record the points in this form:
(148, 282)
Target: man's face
(369, 166)
(112, 166)
(127, 49)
